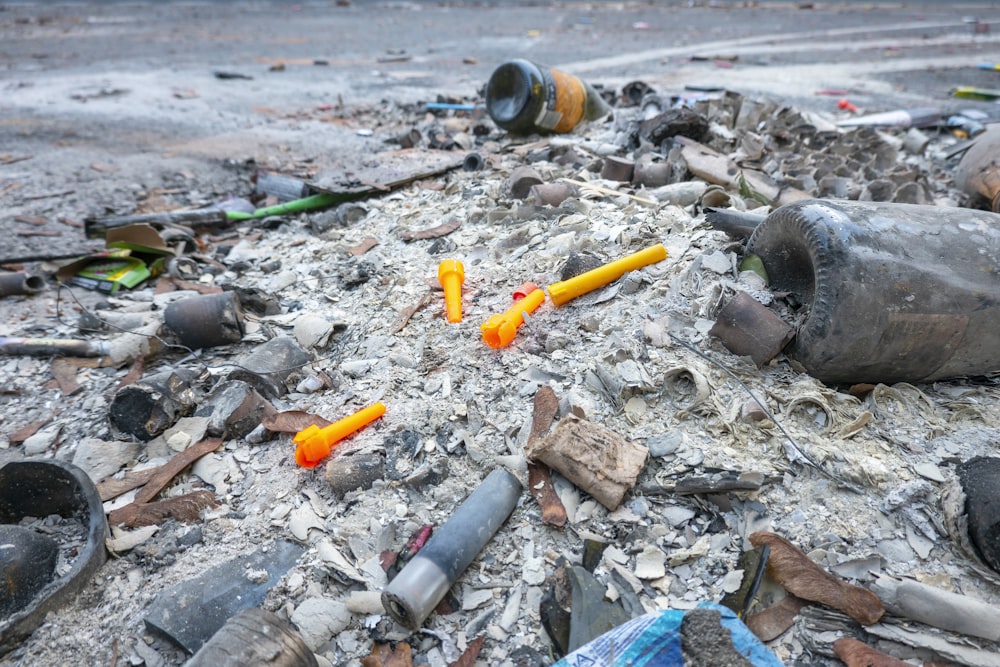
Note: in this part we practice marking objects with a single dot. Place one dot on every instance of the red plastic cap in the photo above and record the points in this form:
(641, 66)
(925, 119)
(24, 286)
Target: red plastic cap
(524, 290)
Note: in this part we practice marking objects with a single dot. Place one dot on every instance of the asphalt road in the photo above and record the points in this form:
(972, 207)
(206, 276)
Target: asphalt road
(100, 101)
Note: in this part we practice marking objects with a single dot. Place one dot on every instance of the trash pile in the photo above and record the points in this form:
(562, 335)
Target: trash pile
(700, 381)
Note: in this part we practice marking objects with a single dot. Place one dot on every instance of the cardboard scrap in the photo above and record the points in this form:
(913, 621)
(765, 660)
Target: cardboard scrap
(598, 460)
(134, 254)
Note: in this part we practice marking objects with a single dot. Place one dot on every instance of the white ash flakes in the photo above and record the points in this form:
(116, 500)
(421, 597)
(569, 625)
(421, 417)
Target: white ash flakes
(608, 356)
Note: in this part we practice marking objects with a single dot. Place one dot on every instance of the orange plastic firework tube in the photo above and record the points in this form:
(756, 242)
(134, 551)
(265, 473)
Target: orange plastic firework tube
(451, 275)
(499, 330)
(567, 290)
(314, 443)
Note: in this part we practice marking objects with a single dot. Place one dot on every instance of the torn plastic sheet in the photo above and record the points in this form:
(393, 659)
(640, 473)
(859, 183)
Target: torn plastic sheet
(655, 639)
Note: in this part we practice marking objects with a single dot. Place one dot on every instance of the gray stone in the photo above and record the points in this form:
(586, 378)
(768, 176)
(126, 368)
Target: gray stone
(358, 471)
(101, 458)
(319, 619)
(312, 330)
(41, 441)
(664, 443)
(896, 551)
(234, 409)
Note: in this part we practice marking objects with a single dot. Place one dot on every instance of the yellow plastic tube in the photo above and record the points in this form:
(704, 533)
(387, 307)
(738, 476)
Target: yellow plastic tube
(499, 330)
(451, 275)
(567, 290)
(315, 443)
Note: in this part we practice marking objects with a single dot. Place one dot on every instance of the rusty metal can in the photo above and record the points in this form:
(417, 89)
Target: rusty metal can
(207, 320)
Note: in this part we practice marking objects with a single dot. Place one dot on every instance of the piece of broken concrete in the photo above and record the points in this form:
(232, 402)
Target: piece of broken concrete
(319, 619)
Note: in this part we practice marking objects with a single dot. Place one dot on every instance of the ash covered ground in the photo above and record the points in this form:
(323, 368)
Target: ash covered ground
(357, 291)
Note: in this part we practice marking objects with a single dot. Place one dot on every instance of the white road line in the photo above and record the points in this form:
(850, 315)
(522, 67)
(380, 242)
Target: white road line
(733, 45)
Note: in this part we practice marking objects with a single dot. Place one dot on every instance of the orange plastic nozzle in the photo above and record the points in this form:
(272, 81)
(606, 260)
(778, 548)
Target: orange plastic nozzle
(451, 275)
(314, 443)
(567, 290)
(499, 330)
(846, 105)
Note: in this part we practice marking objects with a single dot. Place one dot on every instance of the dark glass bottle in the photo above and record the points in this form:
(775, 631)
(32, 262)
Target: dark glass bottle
(525, 98)
(978, 173)
(891, 292)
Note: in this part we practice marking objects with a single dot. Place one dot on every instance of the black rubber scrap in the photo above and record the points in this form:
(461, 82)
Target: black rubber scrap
(706, 643)
(980, 479)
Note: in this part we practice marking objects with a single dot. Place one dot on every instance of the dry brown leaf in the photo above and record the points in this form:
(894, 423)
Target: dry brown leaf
(104, 168)
(468, 657)
(157, 478)
(854, 653)
(405, 315)
(799, 575)
(292, 421)
(166, 473)
(133, 374)
(185, 508)
(366, 244)
(384, 655)
(49, 195)
(30, 219)
(10, 187)
(432, 232)
(70, 222)
(111, 487)
(772, 622)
